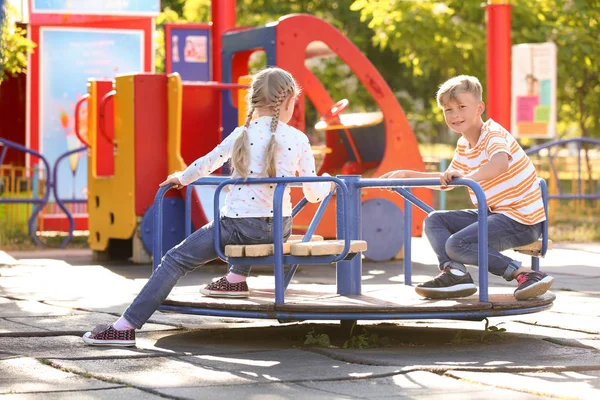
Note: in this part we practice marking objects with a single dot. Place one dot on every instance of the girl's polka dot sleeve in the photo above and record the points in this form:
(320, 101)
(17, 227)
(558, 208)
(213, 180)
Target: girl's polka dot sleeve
(313, 191)
(215, 159)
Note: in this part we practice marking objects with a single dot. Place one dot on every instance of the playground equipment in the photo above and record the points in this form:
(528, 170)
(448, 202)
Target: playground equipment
(161, 127)
(135, 138)
(122, 178)
(349, 302)
(46, 187)
(370, 144)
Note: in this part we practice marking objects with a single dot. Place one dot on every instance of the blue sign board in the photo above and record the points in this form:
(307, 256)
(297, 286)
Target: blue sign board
(68, 58)
(99, 7)
(190, 53)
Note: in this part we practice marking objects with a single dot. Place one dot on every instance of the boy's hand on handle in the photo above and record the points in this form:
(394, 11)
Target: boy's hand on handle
(448, 176)
(174, 179)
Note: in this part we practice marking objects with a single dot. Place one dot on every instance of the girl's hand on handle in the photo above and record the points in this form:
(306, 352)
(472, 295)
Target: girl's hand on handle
(173, 179)
(399, 174)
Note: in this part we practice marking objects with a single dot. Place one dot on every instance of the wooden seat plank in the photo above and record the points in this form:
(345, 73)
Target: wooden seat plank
(313, 238)
(296, 248)
(533, 249)
(326, 247)
(264, 250)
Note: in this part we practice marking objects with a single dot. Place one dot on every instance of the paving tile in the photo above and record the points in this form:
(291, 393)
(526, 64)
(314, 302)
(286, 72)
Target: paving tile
(61, 347)
(506, 351)
(416, 385)
(80, 322)
(26, 375)
(266, 391)
(288, 365)
(159, 372)
(16, 308)
(17, 328)
(103, 394)
(568, 384)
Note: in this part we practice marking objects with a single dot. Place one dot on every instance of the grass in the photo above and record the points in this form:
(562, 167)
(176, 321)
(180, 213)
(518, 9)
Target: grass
(572, 231)
(16, 238)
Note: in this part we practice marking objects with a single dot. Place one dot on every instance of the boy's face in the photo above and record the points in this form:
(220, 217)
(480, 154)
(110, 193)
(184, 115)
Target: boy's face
(463, 113)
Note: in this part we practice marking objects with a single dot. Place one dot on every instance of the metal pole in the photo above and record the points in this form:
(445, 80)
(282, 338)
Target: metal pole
(407, 241)
(498, 61)
(349, 272)
(442, 197)
(223, 19)
(278, 243)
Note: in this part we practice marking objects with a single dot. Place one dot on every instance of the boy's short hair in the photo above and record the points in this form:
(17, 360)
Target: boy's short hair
(459, 84)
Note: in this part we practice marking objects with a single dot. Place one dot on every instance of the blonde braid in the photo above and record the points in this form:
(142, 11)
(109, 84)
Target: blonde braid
(240, 156)
(271, 151)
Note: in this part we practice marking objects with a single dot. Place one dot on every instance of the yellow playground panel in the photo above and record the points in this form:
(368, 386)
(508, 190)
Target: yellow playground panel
(109, 218)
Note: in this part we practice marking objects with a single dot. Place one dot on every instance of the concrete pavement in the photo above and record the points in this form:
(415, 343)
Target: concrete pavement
(48, 299)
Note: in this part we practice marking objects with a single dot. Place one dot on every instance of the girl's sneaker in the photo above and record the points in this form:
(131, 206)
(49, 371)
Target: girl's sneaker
(532, 284)
(224, 288)
(106, 335)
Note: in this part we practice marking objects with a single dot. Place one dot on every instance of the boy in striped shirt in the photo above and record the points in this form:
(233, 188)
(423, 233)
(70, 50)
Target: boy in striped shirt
(486, 153)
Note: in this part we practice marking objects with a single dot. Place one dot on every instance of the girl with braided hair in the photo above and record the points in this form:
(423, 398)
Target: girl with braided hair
(264, 147)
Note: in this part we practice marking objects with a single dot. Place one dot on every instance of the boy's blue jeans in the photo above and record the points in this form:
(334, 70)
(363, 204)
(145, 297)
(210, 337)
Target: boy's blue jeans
(196, 250)
(454, 238)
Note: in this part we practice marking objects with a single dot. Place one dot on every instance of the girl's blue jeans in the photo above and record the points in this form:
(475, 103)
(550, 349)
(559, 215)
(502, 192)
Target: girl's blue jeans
(196, 250)
(454, 238)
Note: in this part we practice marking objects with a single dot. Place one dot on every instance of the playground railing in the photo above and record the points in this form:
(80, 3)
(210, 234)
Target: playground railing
(349, 268)
(61, 202)
(402, 187)
(579, 195)
(38, 203)
(278, 259)
(51, 187)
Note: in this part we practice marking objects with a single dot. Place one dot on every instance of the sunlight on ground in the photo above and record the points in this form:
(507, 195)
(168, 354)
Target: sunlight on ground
(255, 363)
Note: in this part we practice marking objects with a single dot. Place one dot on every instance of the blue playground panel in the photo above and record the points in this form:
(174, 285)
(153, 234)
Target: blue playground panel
(174, 227)
(234, 42)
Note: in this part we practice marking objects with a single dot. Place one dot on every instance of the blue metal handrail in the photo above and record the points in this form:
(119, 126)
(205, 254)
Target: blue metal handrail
(433, 182)
(39, 203)
(277, 205)
(580, 141)
(51, 187)
(309, 232)
(221, 182)
(281, 184)
(61, 202)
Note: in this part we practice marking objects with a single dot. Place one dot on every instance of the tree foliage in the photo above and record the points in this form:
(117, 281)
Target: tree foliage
(333, 73)
(438, 39)
(177, 11)
(14, 45)
(416, 45)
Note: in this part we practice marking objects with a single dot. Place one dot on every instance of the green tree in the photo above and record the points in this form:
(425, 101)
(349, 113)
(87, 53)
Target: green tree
(177, 11)
(438, 39)
(14, 45)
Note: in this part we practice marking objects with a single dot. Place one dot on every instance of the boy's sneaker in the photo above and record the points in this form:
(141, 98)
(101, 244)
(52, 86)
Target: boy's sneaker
(106, 335)
(224, 288)
(532, 284)
(447, 286)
